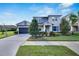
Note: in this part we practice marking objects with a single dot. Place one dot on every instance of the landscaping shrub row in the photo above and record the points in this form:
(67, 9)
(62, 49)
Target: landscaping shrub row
(49, 34)
(54, 34)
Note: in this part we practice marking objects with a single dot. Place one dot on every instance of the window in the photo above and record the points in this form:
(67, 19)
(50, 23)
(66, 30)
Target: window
(55, 28)
(54, 19)
(39, 29)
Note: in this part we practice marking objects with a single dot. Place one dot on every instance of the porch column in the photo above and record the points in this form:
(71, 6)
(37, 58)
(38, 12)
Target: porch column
(71, 26)
(50, 28)
(44, 27)
(18, 29)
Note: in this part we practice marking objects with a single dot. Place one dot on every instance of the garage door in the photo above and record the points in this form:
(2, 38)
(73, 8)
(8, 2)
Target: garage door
(23, 30)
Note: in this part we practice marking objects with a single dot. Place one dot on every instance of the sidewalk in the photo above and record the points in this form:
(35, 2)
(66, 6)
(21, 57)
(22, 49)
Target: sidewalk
(73, 45)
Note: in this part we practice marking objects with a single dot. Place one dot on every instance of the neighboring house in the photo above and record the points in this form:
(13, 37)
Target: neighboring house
(7, 27)
(75, 26)
(51, 23)
(22, 27)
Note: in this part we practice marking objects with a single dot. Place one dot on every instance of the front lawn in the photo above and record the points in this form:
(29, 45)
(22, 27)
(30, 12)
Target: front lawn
(9, 33)
(56, 38)
(63, 38)
(45, 51)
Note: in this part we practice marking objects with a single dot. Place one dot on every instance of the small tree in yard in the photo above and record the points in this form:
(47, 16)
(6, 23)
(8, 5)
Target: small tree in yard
(33, 29)
(64, 26)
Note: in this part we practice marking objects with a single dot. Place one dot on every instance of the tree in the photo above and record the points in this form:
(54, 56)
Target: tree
(73, 19)
(1, 29)
(33, 29)
(78, 20)
(64, 26)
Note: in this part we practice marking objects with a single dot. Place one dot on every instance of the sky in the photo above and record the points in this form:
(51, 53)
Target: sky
(13, 13)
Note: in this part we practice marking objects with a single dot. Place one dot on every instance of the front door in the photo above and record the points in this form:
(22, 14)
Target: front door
(47, 28)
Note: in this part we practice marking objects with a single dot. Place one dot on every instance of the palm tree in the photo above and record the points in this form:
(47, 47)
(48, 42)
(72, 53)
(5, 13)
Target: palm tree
(73, 19)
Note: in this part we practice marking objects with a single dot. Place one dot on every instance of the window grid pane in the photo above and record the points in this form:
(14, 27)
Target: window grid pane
(55, 28)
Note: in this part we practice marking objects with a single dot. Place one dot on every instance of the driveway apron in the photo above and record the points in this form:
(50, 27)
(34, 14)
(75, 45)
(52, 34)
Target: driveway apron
(10, 45)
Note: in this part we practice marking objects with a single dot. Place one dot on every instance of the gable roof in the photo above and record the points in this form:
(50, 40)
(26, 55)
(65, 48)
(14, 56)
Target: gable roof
(23, 23)
(41, 20)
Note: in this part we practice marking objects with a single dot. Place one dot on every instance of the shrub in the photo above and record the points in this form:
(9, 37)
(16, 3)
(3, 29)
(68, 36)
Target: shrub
(16, 32)
(50, 34)
(68, 34)
(57, 34)
(76, 33)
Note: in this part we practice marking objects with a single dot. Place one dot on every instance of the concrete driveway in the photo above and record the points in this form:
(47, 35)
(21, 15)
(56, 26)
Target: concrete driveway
(10, 45)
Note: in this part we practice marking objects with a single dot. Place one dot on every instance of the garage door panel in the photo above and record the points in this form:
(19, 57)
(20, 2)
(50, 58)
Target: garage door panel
(23, 30)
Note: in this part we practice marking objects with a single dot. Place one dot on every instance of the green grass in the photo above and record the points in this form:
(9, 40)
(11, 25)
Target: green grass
(45, 51)
(63, 38)
(74, 37)
(9, 33)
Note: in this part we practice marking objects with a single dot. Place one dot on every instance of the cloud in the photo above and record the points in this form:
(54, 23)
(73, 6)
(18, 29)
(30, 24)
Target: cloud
(45, 11)
(8, 14)
(65, 5)
(9, 18)
(66, 11)
(65, 8)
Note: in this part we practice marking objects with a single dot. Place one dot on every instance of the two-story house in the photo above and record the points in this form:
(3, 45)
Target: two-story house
(51, 23)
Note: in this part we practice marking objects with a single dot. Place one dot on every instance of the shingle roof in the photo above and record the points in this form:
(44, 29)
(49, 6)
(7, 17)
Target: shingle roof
(41, 20)
(23, 23)
(55, 15)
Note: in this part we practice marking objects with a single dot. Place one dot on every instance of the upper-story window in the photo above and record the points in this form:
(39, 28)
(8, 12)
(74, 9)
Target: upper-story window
(54, 19)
